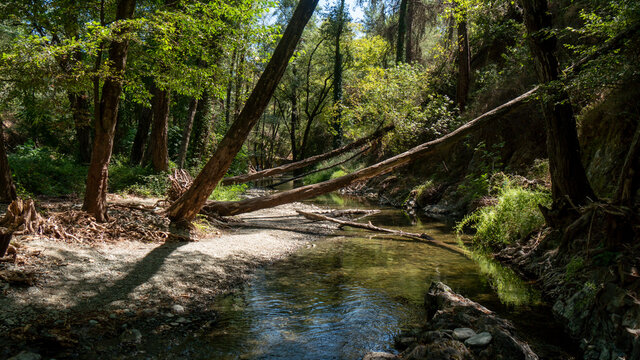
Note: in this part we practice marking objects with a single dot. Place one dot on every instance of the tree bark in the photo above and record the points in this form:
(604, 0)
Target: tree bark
(464, 64)
(402, 32)
(568, 177)
(7, 187)
(95, 199)
(630, 174)
(186, 133)
(82, 123)
(145, 116)
(433, 147)
(160, 129)
(188, 206)
(306, 162)
(337, 80)
(294, 124)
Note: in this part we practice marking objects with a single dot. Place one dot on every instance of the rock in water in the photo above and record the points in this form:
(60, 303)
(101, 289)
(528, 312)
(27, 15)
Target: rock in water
(482, 339)
(380, 356)
(26, 355)
(463, 334)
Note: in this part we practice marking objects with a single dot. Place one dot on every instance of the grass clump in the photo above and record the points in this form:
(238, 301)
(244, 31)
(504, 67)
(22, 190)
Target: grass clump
(229, 193)
(44, 171)
(514, 216)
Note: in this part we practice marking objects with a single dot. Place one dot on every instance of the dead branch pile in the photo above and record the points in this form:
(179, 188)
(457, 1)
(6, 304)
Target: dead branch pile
(74, 225)
(179, 182)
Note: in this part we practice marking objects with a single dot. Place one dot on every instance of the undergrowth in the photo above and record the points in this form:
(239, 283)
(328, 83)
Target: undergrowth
(514, 215)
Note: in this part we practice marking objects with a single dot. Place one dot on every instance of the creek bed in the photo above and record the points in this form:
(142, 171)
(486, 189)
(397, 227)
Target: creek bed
(345, 296)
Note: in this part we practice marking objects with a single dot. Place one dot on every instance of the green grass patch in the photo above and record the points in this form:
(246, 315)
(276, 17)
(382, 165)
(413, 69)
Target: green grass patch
(514, 216)
(229, 193)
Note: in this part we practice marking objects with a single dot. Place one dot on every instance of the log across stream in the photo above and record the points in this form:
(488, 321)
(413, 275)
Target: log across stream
(346, 295)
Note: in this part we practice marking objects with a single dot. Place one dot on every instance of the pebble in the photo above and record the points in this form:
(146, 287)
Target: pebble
(183, 320)
(482, 339)
(177, 309)
(93, 322)
(463, 334)
(113, 316)
(10, 321)
(26, 355)
(131, 336)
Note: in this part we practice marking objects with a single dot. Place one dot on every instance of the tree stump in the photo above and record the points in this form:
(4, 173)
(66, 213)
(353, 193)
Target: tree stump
(21, 218)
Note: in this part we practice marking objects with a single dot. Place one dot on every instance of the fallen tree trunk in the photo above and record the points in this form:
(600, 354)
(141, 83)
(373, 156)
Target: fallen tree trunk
(420, 151)
(309, 191)
(319, 170)
(419, 237)
(308, 161)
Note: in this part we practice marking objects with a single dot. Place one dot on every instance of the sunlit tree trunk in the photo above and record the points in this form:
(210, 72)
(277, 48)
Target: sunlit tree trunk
(190, 203)
(568, 176)
(95, 199)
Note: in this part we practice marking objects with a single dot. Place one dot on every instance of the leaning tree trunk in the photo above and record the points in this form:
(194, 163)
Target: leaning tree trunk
(145, 116)
(7, 188)
(159, 141)
(433, 147)
(186, 133)
(568, 177)
(188, 206)
(95, 198)
(464, 64)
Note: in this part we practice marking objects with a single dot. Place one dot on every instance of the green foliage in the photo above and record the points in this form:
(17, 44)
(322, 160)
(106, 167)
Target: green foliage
(229, 193)
(573, 267)
(43, 171)
(400, 95)
(514, 216)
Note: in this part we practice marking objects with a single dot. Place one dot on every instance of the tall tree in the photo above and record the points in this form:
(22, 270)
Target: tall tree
(402, 32)
(186, 132)
(568, 176)
(95, 198)
(190, 203)
(339, 20)
(464, 58)
(145, 116)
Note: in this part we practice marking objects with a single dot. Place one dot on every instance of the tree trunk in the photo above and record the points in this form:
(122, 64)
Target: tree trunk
(568, 176)
(402, 32)
(337, 80)
(203, 123)
(188, 206)
(629, 179)
(464, 64)
(95, 199)
(294, 125)
(160, 129)
(82, 123)
(145, 116)
(306, 192)
(7, 188)
(186, 133)
(306, 162)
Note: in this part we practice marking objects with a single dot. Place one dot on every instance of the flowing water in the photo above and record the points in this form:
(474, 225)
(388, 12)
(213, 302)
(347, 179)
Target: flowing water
(351, 294)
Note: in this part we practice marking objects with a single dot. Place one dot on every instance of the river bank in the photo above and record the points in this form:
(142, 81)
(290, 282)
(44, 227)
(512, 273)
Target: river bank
(82, 299)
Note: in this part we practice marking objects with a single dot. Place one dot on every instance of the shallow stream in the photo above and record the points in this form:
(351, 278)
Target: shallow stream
(345, 296)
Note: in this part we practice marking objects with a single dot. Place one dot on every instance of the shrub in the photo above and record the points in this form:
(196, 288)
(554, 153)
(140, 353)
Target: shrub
(514, 216)
(228, 193)
(43, 171)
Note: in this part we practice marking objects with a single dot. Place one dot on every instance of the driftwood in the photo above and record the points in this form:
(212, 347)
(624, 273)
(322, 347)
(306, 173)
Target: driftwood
(419, 237)
(179, 182)
(321, 169)
(21, 218)
(308, 161)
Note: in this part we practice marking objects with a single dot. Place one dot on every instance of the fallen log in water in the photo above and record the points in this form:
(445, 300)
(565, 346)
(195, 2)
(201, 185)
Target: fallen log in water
(419, 237)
